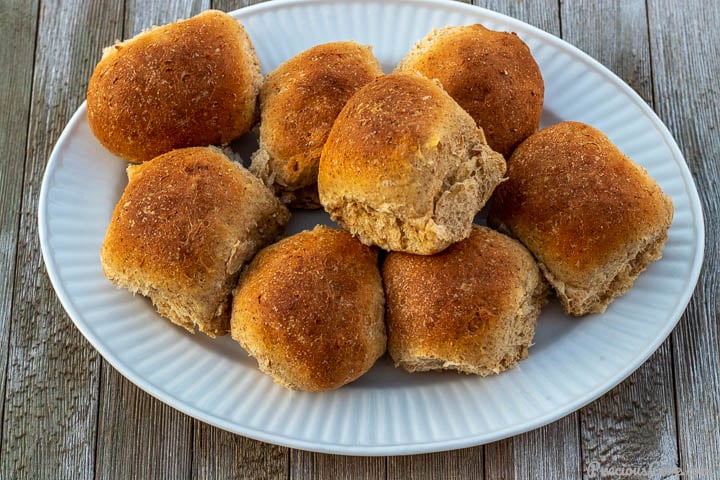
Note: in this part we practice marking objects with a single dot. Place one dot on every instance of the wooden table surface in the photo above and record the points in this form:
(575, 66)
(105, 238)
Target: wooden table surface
(66, 413)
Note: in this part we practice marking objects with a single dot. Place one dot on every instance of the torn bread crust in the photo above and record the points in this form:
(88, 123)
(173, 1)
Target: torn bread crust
(463, 192)
(614, 279)
(184, 311)
(176, 308)
(398, 234)
(260, 167)
(303, 196)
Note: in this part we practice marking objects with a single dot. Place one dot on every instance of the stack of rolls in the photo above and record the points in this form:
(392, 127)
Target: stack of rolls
(403, 162)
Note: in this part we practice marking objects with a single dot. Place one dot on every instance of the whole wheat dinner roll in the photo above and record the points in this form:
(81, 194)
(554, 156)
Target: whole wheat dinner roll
(190, 83)
(186, 223)
(405, 167)
(470, 308)
(299, 102)
(592, 217)
(310, 310)
(490, 74)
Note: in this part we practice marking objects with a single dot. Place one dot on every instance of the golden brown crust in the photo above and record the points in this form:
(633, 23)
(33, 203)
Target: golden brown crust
(471, 307)
(491, 74)
(310, 309)
(184, 226)
(190, 83)
(582, 207)
(391, 119)
(406, 168)
(299, 102)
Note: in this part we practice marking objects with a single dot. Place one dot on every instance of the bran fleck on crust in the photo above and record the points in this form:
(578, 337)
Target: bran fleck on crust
(190, 83)
(406, 168)
(310, 309)
(593, 218)
(470, 308)
(299, 102)
(491, 74)
(186, 223)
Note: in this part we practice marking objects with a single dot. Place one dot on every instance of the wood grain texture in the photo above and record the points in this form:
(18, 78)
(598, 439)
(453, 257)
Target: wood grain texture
(632, 426)
(52, 379)
(17, 48)
(141, 15)
(543, 14)
(138, 436)
(309, 465)
(614, 32)
(686, 63)
(230, 5)
(456, 464)
(550, 452)
(220, 454)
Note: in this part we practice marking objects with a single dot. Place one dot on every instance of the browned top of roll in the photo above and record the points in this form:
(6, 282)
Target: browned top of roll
(300, 101)
(460, 304)
(310, 309)
(376, 148)
(577, 201)
(182, 229)
(159, 209)
(490, 74)
(190, 83)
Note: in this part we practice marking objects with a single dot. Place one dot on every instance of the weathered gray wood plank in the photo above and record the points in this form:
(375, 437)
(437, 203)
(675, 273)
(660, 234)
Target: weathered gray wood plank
(141, 15)
(633, 426)
(686, 64)
(456, 464)
(138, 436)
(52, 378)
(549, 452)
(230, 5)
(614, 32)
(220, 454)
(17, 48)
(154, 440)
(308, 465)
(543, 14)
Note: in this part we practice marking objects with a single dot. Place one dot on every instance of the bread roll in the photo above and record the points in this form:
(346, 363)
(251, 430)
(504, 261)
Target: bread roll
(184, 226)
(299, 102)
(592, 217)
(471, 308)
(490, 74)
(406, 168)
(310, 310)
(189, 83)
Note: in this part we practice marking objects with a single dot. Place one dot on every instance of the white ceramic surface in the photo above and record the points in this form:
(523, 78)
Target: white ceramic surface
(387, 411)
